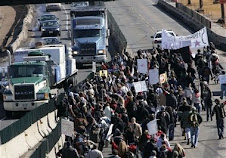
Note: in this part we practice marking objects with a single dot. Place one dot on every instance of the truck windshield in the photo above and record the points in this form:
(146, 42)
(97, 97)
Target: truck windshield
(87, 33)
(17, 71)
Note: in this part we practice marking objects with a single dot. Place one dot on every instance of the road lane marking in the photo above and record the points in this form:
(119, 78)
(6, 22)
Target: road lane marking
(66, 17)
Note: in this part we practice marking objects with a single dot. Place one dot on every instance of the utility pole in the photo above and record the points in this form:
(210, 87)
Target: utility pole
(200, 4)
(189, 2)
(222, 9)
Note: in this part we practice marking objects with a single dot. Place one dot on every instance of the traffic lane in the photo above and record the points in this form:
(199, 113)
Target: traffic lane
(139, 20)
(151, 18)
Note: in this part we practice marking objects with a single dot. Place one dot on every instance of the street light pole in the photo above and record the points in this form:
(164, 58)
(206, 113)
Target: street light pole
(189, 2)
(222, 11)
(200, 4)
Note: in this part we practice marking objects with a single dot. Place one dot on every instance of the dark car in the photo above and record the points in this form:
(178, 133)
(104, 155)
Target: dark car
(50, 28)
(46, 17)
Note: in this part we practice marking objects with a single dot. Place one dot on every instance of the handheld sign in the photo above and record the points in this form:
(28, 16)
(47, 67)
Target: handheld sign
(67, 127)
(142, 65)
(153, 76)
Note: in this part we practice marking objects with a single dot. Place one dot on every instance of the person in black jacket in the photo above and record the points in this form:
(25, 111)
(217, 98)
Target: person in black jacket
(207, 98)
(171, 100)
(220, 114)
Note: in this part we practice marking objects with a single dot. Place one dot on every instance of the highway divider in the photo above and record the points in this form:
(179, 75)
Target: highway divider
(28, 131)
(194, 20)
(116, 35)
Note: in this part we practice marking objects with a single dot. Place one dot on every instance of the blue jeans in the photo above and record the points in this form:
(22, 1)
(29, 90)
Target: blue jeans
(171, 131)
(223, 90)
(220, 127)
(194, 135)
(198, 107)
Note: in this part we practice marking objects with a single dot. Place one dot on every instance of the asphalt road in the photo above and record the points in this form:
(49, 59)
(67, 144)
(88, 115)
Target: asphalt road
(35, 36)
(140, 19)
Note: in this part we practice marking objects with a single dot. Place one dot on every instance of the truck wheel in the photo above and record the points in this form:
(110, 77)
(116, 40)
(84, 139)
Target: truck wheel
(9, 114)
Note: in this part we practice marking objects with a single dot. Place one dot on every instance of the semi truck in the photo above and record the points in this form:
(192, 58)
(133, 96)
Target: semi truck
(89, 34)
(35, 75)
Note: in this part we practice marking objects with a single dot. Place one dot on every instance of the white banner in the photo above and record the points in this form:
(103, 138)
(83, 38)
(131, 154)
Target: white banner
(67, 127)
(196, 40)
(142, 65)
(222, 79)
(152, 127)
(140, 86)
(153, 76)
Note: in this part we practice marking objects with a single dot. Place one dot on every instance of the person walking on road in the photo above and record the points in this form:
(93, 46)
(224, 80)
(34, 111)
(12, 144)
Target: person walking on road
(220, 114)
(195, 120)
(69, 151)
(207, 98)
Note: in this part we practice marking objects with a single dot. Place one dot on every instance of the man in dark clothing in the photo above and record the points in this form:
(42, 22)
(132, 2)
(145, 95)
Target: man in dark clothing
(69, 152)
(206, 73)
(207, 98)
(220, 114)
(152, 98)
(163, 120)
(148, 148)
(171, 100)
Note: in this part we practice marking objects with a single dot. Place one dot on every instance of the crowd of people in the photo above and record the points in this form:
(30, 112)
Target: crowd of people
(107, 110)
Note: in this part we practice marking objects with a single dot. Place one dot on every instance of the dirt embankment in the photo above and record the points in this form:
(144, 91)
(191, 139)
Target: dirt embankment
(11, 21)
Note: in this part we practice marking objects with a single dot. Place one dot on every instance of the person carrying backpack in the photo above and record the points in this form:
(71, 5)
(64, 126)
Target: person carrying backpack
(194, 120)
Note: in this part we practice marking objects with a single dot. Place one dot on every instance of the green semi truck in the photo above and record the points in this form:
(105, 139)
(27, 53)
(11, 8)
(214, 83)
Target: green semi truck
(35, 76)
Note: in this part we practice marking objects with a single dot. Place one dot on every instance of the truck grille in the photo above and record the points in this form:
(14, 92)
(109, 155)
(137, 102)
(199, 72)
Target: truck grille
(88, 49)
(24, 92)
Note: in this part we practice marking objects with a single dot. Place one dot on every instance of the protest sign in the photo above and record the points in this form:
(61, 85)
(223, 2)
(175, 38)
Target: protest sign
(153, 76)
(163, 78)
(140, 86)
(152, 127)
(222, 79)
(94, 68)
(67, 127)
(103, 73)
(142, 66)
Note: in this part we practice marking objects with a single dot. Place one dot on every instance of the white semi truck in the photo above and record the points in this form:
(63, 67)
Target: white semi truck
(35, 74)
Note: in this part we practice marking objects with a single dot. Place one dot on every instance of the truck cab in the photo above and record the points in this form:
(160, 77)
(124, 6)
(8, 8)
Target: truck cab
(34, 76)
(89, 34)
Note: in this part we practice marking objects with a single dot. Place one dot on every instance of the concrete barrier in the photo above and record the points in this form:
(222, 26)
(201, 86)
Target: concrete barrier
(59, 145)
(27, 140)
(195, 21)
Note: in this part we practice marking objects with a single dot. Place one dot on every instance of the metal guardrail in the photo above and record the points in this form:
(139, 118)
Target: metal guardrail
(26, 121)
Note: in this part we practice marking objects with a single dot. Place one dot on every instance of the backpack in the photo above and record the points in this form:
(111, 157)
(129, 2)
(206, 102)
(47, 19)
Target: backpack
(193, 119)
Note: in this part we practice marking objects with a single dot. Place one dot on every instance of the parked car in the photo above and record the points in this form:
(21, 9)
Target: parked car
(53, 7)
(46, 17)
(157, 38)
(50, 40)
(50, 28)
